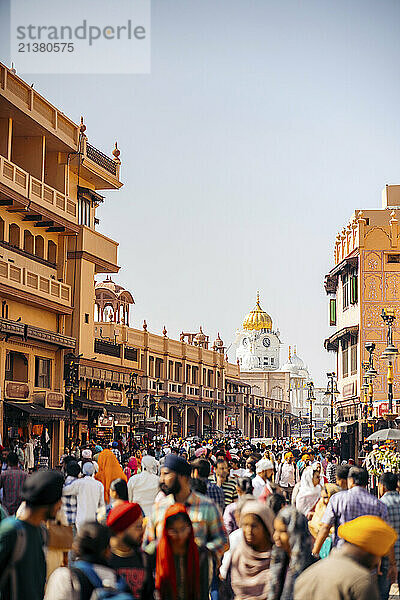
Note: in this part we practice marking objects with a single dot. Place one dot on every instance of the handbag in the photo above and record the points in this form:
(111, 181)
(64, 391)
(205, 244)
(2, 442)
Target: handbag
(60, 537)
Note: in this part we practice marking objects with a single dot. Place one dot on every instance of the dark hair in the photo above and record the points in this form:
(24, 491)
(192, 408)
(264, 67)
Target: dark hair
(389, 480)
(203, 467)
(359, 476)
(12, 459)
(275, 502)
(92, 541)
(73, 468)
(170, 521)
(120, 487)
(221, 460)
(245, 485)
(342, 471)
(328, 456)
(251, 463)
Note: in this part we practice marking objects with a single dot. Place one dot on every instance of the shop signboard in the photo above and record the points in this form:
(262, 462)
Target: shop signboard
(104, 421)
(16, 390)
(114, 396)
(54, 400)
(97, 395)
(121, 419)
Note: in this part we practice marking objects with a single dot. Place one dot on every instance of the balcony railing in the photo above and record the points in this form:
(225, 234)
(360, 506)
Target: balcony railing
(38, 191)
(25, 279)
(101, 159)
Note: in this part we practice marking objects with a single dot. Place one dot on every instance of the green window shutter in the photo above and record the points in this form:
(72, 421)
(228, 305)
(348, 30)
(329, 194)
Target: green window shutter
(332, 311)
(353, 289)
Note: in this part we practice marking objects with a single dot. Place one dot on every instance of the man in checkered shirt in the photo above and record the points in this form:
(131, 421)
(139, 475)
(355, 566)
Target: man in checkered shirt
(348, 505)
(69, 502)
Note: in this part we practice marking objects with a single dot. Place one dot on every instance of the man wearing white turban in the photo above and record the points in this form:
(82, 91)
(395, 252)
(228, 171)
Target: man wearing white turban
(143, 487)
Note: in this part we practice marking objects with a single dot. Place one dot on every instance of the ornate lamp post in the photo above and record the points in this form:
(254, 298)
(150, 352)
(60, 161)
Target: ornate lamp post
(157, 400)
(389, 353)
(332, 391)
(71, 388)
(132, 391)
(369, 377)
(310, 398)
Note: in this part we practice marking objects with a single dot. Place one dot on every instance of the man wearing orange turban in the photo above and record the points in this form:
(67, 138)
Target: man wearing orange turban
(346, 573)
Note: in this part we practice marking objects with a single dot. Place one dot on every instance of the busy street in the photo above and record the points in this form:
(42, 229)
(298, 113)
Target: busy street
(199, 300)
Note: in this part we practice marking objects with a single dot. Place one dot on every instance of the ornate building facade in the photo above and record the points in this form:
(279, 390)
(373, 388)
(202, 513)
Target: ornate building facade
(364, 280)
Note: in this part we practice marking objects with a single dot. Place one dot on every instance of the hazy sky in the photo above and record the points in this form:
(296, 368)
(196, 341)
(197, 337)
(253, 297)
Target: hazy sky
(260, 129)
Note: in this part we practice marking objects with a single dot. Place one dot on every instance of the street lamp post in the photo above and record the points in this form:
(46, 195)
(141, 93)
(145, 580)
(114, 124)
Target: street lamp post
(71, 388)
(131, 392)
(310, 398)
(157, 400)
(332, 391)
(370, 375)
(389, 353)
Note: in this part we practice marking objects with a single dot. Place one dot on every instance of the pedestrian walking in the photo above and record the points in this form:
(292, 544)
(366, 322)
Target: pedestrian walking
(347, 573)
(90, 572)
(201, 483)
(22, 557)
(264, 476)
(348, 505)
(309, 490)
(291, 554)
(11, 482)
(287, 475)
(181, 567)
(143, 487)
(244, 486)
(391, 499)
(209, 531)
(127, 557)
(109, 470)
(249, 569)
(89, 495)
(224, 481)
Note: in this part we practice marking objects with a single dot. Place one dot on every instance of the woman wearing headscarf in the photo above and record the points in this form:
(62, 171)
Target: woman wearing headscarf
(109, 470)
(178, 559)
(132, 467)
(143, 487)
(309, 490)
(315, 524)
(291, 554)
(249, 569)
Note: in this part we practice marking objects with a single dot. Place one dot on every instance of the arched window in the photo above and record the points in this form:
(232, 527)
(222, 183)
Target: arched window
(325, 413)
(14, 235)
(39, 246)
(277, 393)
(52, 252)
(28, 241)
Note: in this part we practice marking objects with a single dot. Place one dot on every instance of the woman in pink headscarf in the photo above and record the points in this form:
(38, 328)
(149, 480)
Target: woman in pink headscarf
(132, 467)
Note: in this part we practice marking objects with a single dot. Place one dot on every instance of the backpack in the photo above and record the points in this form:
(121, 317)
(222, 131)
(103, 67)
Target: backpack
(18, 552)
(98, 592)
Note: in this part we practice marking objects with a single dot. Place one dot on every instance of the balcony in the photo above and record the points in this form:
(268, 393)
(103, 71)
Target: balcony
(41, 198)
(27, 282)
(96, 248)
(97, 168)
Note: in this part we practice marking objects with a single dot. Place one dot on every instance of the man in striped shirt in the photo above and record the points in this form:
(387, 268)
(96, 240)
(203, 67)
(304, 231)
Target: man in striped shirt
(223, 481)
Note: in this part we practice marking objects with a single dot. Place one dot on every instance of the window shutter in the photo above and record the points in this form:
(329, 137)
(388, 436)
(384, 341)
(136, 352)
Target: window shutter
(354, 289)
(332, 311)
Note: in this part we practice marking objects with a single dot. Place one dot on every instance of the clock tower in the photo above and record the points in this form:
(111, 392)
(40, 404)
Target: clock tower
(257, 345)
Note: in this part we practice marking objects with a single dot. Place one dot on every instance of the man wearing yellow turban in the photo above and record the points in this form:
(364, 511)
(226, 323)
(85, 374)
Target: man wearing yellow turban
(346, 573)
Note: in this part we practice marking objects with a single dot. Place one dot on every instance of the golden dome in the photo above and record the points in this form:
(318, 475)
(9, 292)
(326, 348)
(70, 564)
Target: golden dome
(257, 319)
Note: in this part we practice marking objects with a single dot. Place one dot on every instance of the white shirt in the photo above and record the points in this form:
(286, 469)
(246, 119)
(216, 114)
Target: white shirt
(258, 486)
(287, 475)
(89, 498)
(143, 489)
(234, 538)
(61, 586)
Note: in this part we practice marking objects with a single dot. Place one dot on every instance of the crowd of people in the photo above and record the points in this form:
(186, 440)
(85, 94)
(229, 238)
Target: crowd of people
(182, 520)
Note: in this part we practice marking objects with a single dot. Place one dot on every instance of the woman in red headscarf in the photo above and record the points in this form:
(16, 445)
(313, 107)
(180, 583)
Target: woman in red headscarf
(177, 558)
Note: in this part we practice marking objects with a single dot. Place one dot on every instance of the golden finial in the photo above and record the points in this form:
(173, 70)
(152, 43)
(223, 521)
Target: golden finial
(290, 353)
(295, 350)
(116, 152)
(258, 297)
(165, 331)
(145, 325)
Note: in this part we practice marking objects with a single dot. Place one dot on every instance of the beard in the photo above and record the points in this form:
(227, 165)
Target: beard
(130, 542)
(174, 488)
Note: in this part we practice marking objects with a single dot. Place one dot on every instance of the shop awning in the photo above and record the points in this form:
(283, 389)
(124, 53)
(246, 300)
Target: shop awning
(118, 410)
(332, 342)
(35, 410)
(91, 404)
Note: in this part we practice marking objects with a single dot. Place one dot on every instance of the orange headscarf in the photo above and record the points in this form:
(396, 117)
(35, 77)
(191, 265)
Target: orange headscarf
(165, 565)
(109, 469)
